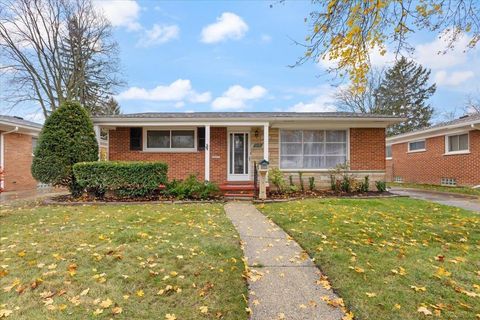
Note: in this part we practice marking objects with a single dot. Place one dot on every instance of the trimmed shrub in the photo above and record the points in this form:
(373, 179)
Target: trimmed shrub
(66, 138)
(276, 177)
(126, 179)
(311, 183)
(381, 186)
(191, 188)
(364, 186)
(300, 178)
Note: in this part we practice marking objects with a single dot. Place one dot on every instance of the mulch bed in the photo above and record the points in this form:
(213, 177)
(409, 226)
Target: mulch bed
(281, 197)
(70, 200)
(158, 199)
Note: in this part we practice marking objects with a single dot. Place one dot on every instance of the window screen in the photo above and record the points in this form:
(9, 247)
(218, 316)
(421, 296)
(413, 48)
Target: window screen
(458, 143)
(416, 145)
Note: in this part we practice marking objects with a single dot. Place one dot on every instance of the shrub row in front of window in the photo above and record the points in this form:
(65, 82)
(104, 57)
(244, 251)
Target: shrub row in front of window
(137, 180)
(125, 179)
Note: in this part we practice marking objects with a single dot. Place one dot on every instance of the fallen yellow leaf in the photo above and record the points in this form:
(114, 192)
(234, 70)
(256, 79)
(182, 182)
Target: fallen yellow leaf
(425, 311)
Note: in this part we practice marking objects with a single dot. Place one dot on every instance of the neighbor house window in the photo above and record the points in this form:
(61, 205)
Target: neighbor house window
(416, 145)
(312, 149)
(457, 143)
(170, 139)
(388, 152)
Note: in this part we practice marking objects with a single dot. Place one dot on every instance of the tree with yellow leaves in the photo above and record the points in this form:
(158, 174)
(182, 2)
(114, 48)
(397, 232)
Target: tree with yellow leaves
(347, 31)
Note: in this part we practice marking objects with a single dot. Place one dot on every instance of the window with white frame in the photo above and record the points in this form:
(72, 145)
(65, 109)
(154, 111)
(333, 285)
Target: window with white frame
(457, 143)
(416, 145)
(312, 149)
(160, 139)
(388, 152)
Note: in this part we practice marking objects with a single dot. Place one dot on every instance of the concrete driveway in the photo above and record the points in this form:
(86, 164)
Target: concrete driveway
(12, 197)
(450, 199)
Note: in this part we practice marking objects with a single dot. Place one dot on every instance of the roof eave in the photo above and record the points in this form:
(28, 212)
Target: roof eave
(110, 120)
(429, 131)
(12, 125)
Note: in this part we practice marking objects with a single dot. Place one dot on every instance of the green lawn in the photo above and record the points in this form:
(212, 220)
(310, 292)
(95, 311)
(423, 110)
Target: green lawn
(391, 258)
(122, 262)
(433, 187)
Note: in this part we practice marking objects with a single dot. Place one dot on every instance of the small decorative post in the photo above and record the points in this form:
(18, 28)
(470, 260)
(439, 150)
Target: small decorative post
(262, 170)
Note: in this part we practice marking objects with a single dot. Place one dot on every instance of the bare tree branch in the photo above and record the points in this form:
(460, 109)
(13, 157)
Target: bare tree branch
(57, 50)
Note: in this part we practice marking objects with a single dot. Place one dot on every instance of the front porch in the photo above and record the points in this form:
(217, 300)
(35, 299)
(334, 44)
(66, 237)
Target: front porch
(223, 153)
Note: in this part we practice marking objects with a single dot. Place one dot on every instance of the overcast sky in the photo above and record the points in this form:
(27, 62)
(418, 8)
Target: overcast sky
(234, 56)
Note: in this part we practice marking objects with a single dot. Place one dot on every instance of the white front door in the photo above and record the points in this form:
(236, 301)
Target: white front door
(238, 156)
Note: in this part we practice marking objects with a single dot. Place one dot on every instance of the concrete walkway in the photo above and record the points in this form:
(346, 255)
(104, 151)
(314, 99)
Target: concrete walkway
(282, 278)
(449, 199)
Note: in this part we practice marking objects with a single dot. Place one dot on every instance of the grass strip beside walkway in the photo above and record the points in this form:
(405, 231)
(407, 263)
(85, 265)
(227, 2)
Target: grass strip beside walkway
(391, 258)
(127, 262)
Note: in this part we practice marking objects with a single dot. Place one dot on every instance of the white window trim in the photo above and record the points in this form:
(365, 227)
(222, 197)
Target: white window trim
(309, 128)
(386, 157)
(450, 153)
(419, 150)
(144, 139)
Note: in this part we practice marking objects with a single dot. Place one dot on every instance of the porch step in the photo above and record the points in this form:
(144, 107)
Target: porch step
(239, 196)
(238, 190)
(237, 187)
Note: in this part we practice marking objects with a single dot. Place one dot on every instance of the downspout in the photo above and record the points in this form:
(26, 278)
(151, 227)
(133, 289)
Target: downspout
(2, 152)
(475, 126)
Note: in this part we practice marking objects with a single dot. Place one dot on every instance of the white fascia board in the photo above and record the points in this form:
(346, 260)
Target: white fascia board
(278, 123)
(21, 128)
(430, 133)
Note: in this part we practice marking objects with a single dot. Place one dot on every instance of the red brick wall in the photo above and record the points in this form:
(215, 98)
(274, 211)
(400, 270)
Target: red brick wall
(180, 164)
(218, 155)
(18, 162)
(432, 165)
(367, 149)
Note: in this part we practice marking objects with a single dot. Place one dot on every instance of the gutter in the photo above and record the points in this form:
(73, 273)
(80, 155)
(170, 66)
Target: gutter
(125, 120)
(2, 151)
(34, 128)
(401, 137)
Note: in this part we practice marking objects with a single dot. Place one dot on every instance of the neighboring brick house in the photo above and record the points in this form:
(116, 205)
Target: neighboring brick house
(223, 146)
(445, 154)
(17, 140)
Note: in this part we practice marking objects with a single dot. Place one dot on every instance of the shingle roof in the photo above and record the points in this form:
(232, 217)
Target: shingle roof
(253, 115)
(465, 120)
(19, 121)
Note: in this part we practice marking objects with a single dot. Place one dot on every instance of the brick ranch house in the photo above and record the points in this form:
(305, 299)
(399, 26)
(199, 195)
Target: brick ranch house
(446, 154)
(18, 138)
(222, 147)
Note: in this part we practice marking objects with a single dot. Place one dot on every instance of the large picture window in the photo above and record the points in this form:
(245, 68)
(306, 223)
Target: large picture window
(165, 140)
(312, 149)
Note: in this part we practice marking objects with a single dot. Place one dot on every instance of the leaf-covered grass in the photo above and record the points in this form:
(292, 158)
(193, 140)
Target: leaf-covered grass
(107, 262)
(433, 187)
(389, 258)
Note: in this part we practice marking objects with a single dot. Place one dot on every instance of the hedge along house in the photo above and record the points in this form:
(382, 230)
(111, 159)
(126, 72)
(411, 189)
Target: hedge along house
(222, 147)
(444, 154)
(18, 138)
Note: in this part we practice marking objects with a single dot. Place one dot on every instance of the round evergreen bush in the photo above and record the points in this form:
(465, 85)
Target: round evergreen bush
(67, 137)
